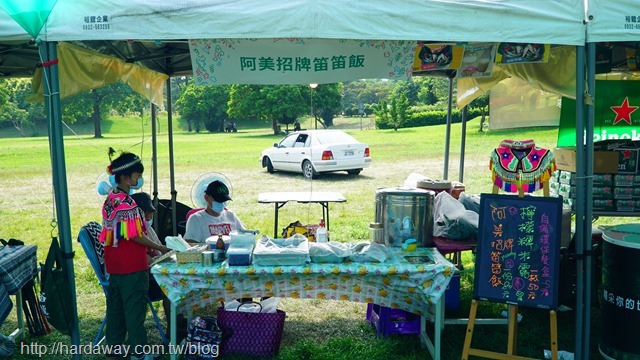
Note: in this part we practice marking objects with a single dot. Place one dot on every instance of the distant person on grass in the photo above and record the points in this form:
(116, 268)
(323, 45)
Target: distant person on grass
(125, 237)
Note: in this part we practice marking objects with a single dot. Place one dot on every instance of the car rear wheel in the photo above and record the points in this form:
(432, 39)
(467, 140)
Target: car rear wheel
(308, 170)
(354, 172)
(269, 165)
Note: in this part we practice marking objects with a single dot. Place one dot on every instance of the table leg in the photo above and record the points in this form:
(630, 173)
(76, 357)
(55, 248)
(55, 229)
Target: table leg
(433, 347)
(173, 342)
(18, 334)
(275, 222)
(326, 220)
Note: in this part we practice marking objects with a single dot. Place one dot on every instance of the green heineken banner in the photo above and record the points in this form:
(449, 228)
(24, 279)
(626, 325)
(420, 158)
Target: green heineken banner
(298, 61)
(616, 117)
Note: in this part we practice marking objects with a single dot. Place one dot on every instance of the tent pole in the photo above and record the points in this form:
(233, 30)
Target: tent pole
(48, 50)
(174, 224)
(588, 209)
(463, 143)
(447, 138)
(154, 159)
(580, 204)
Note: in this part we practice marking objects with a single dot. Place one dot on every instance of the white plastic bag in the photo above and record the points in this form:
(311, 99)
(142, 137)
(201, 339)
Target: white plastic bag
(366, 251)
(269, 305)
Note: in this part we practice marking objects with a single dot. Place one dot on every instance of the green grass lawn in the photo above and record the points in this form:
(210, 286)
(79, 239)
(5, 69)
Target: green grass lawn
(314, 329)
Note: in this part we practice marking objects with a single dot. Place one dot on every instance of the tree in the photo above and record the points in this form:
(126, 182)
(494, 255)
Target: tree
(409, 88)
(16, 111)
(382, 113)
(94, 104)
(204, 107)
(482, 103)
(365, 92)
(278, 103)
(327, 100)
(398, 111)
(435, 90)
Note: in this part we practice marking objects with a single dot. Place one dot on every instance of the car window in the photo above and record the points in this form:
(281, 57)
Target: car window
(289, 141)
(301, 141)
(333, 137)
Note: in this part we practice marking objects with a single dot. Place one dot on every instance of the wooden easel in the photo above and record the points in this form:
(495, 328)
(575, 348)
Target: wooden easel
(512, 321)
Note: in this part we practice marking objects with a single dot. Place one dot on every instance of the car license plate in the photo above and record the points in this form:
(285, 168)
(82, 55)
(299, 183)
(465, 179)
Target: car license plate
(348, 153)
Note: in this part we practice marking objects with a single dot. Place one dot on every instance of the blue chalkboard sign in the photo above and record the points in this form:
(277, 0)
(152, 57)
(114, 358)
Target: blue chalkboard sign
(518, 250)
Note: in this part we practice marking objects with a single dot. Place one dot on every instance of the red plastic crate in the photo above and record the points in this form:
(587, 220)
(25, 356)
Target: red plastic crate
(388, 321)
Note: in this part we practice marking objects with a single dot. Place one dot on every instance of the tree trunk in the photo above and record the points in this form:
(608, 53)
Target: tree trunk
(97, 130)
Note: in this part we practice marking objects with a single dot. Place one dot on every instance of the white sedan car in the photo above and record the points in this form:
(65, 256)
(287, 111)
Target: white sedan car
(316, 151)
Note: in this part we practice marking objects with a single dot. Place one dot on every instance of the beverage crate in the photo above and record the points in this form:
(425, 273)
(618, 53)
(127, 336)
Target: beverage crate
(388, 321)
(452, 294)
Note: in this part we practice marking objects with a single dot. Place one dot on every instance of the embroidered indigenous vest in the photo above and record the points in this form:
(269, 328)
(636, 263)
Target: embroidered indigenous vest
(122, 219)
(520, 164)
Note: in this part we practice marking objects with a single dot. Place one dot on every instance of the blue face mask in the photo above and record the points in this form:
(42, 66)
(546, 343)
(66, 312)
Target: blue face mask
(149, 223)
(138, 185)
(217, 207)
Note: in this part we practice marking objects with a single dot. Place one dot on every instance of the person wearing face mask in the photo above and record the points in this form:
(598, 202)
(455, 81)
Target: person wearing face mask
(215, 219)
(125, 238)
(143, 200)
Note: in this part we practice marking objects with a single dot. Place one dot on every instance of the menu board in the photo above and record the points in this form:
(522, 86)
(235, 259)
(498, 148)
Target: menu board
(518, 250)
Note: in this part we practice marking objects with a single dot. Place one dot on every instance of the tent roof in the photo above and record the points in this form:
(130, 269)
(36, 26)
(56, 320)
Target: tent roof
(613, 21)
(154, 34)
(437, 20)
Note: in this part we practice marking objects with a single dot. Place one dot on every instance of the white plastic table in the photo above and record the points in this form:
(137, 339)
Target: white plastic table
(304, 197)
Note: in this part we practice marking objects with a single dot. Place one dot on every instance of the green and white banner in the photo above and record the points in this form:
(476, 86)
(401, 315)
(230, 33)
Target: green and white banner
(298, 61)
(616, 115)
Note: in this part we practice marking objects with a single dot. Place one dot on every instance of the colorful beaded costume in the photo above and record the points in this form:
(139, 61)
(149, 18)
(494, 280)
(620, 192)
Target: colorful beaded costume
(520, 164)
(122, 219)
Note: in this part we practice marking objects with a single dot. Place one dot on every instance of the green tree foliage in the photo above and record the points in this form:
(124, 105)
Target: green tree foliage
(482, 103)
(276, 103)
(366, 92)
(94, 105)
(327, 101)
(393, 114)
(204, 107)
(409, 88)
(16, 111)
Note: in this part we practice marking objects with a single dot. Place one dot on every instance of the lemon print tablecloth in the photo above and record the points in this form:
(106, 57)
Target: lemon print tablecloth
(412, 281)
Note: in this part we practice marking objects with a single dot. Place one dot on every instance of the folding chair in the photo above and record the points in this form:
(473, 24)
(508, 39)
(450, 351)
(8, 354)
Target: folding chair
(88, 238)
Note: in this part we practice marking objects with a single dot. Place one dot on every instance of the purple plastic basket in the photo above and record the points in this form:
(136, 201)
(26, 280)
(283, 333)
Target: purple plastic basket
(255, 334)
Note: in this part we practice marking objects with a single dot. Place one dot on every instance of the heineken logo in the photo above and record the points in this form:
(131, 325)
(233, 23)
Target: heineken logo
(623, 112)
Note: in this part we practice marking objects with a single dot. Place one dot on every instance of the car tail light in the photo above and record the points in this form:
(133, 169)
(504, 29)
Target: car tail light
(366, 152)
(327, 155)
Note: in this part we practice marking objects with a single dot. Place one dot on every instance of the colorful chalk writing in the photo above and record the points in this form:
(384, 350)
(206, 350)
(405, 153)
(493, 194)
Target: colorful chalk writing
(518, 250)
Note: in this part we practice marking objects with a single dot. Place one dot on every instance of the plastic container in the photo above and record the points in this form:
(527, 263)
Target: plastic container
(239, 255)
(405, 213)
(290, 251)
(212, 240)
(452, 294)
(329, 252)
(621, 291)
(376, 232)
(321, 233)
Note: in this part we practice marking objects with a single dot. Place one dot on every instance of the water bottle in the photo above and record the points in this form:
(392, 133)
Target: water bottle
(321, 233)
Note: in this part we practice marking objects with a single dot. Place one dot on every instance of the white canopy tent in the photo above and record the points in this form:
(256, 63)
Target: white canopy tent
(153, 34)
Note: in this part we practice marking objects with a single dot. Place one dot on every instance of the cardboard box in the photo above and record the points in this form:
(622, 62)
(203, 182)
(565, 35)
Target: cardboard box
(604, 162)
(627, 161)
